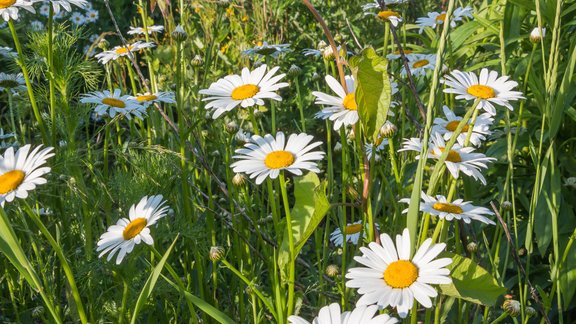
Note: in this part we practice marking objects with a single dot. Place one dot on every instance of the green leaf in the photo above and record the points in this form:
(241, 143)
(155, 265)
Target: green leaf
(373, 90)
(309, 209)
(471, 282)
(150, 283)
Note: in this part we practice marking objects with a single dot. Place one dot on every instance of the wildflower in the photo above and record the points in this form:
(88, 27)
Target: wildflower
(142, 30)
(375, 149)
(92, 16)
(419, 63)
(391, 16)
(242, 136)
(488, 88)
(12, 82)
(376, 4)
(7, 52)
(216, 253)
(458, 209)
(458, 159)
(392, 278)
(197, 60)
(435, 18)
(294, 71)
(351, 232)
(112, 103)
(120, 51)
(530, 311)
(343, 109)
(128, 232)
(179, 34)
(78, 19)
(37, 25)
(332, 270)
(20, 172)
(331, 315)
(148, 98)
(537, 34)
(9, 8)
(266, 156)
(66, 4)
(246, 90)
(446, 127)
(265, 49)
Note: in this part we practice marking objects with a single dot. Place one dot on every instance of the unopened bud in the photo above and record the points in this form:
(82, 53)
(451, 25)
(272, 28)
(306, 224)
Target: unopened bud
(179, 34)
(472, 247)
(321, 45)
(216, 253)
(294, 70)
(338, 38)
(388, 129)
(332, 270)
(337, 147)
(197, 60)
(512, 307)
(315, 77)
(223, 3)
(537, 34)
(103, 44)
(506, 205)
(231, 127)
(239, 179)
(530, 311)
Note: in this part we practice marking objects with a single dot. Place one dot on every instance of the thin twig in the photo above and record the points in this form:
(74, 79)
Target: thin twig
(533, 291)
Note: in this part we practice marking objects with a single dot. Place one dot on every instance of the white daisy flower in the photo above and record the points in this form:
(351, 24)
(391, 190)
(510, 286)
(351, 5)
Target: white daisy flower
(352, 232)
(458, 209)
(242, 136)
(459, 158)
(370, 149)
(36, 25)
(120, 51)
(419, 63)
(78, 19)
(342, 110)
(12, 82)
(488, 88)
(148, 99)
(9, 8)
(360, 315)
(7, 52)
(92, 15)
(446, 127)
(67, 4)
(434, 18)
(387, 15)
(128, 232)
(110, 104)
(392, 278)
(265, 49)
(266, 156)
(375, 4)
(142, 30)
(246, 90)
(4, 135)
(21, 172)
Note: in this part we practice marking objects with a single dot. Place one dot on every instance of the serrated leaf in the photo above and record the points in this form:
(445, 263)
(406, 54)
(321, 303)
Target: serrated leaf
(471, 282)
(373, 91)
(309, 209)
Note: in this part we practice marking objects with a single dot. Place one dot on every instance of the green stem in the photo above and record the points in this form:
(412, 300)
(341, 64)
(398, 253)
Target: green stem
(292, 263)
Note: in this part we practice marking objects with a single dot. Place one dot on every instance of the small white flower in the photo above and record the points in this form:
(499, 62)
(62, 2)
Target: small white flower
(148, 99)
(371, 149)
(7, 52)
(488, 88)
(110, 104)
(267, 156)
(352, 233)
(120, 51)
(419, 63)
(37, 25)
(78, 19)
(9, 9)
(446, 127)
(67, 4)
(12, 82)
(434, 18)
(92, 15)
(376, 4)
(342, 110)
(142, 30)
(129, 232)
(360, 315)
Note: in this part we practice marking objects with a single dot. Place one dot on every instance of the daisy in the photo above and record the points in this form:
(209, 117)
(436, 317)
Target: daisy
(265, 49)
(120, 51)
(342, 110)
(458, 209)
(392, 278)
(142, 30)
(376, 4)
(148, 99)
(44, 10)
(66, 4)
(9, 8)
(7, 52)
(352, 232)
(128, 232)
(110, 104)
(435, 18)
(92, 15)
(12, 82)
(419, 63)
(266, 156)
(396, 54)
(78, 19)
(488, 88)
(387, 15)
(331, 315)
(446, 127)
(246, 90)
(371, 149)
(37, 25)
(458, 159)
(21, 172)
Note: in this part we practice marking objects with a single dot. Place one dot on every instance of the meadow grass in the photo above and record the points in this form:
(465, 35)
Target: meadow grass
(274, 161)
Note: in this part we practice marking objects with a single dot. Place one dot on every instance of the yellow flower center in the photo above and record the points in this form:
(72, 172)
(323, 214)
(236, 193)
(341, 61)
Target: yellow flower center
(11, 180)
(245, 91)
(453, 156)
(350, 102)
(447, 208)
(134, 228)
(386, 14)
(353, 229)
(481, 91)
(144, 98)
(114, 102)
(6, 3)
(441, 17)
(279, 159)
(8, 83)
(420, 63)
(451, 126)
(400, 274)
(123, 50)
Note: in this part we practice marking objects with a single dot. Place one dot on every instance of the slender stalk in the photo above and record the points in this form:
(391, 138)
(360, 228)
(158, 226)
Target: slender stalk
(292, 263)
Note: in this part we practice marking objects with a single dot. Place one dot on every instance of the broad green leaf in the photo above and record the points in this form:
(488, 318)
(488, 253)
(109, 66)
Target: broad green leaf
(373, 90)
(150, 283)
(309, 209)
(471, 282)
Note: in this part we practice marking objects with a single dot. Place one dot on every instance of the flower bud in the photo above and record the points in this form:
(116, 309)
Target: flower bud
(315, 77)
(472, 247)
(506, 205)
(321, 45)
(570, 182)
(337, 147)
(388, 129)
(512, 307)
(530, 311)
(332, 270)
(179, 34)
(239, 179)
(537, 34)
(216, 253)
(231, 127)
(197, 60)
(294, 70)
(338, 38)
